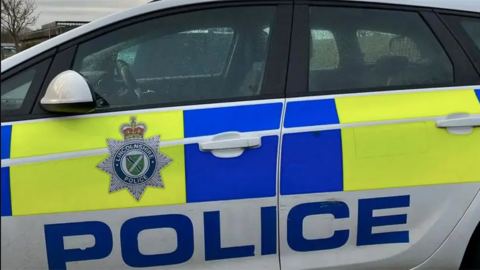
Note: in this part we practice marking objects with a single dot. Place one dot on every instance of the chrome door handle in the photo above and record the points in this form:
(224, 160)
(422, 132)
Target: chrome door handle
(469, 121)
(242, 143)
(459, 124)
(230, 144)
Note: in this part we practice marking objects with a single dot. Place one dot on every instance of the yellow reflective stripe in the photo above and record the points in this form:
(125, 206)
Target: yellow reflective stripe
(406, 105)
(60, 136)
(407, 154)
(73, 185)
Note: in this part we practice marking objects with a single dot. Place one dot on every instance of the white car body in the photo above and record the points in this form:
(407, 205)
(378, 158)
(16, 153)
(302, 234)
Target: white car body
(426, 226)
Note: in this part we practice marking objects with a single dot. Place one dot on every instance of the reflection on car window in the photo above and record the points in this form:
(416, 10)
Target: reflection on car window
(193, 56)
(204, 52)
(128, 55)
(375, 44)
(324, 51)
(14, 90)
(472, 27)
(387, 48)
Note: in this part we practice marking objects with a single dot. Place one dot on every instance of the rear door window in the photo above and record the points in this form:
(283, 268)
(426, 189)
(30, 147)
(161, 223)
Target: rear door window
(466, 29)
(472, 27)
(375, 44)
(465, 26)
(323, 45)
(373, 48)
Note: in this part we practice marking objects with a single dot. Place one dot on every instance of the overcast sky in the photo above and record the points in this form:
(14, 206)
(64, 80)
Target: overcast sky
(80, 10)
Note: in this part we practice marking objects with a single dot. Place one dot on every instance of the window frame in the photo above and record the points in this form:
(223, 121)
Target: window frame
(274, 75)
(35, 87)
(449, 18)
(298, 77)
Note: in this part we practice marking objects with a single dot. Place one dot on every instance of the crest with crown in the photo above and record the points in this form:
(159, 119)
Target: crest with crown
(133, 130)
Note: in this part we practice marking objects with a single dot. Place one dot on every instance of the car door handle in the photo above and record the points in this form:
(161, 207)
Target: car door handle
(237, 143)
(469, 121)
(230, 144)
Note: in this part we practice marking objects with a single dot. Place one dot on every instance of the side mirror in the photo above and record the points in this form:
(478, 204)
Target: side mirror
(69, 92)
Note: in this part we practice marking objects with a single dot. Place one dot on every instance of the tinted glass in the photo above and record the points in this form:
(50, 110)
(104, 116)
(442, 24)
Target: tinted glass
(17, 89)
(195, 56)
(368, 48)
(472, 27)
(324, 52)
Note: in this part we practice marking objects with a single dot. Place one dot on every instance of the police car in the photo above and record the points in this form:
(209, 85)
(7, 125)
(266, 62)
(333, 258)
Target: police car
(200, 134)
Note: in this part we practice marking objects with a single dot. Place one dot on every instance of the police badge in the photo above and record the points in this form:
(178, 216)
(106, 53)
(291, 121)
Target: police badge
(134, 163)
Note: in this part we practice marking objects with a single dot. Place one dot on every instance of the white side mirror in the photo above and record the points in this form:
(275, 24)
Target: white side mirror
(69, 92)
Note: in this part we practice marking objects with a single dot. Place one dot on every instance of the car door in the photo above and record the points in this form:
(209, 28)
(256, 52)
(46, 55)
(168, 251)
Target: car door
(379, 165)
(181, 178)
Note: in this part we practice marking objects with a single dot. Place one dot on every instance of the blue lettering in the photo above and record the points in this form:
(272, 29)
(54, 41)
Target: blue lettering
(213, 246)
(269, 230)
(366, 221)
(58, 256)
(295, 238)
(129, 240)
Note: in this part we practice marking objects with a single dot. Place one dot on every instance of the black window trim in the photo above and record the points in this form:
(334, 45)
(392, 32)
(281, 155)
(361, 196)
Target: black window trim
(464, 71)
(39, 78)
(274, 82)
(459, 33)
(297, 80)
(27, 64)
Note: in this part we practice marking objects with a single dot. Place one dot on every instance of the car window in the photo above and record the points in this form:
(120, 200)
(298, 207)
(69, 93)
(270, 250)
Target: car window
(204, 53)
(128, 55)
(324, 51)
(472, 27)
(374, 48)
(16, 88)
(375, 44)
(193, 56)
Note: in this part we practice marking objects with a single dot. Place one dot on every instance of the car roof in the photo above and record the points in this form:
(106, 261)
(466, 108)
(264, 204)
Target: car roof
(460, 5)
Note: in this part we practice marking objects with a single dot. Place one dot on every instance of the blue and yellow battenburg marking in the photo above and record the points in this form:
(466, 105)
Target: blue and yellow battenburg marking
(347, 159)
(378, 156)
(6, 135)
(75, 184)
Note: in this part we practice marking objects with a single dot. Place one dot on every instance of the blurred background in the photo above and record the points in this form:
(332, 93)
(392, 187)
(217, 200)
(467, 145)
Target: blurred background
(26, 23)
